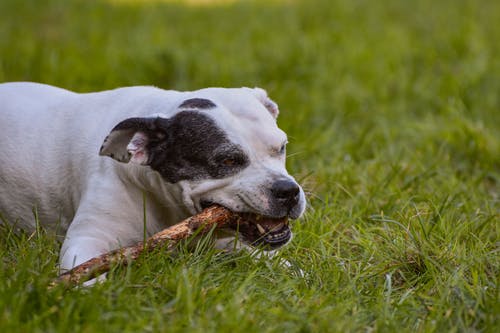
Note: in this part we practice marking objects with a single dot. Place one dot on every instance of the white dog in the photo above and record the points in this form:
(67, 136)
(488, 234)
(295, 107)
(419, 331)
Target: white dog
(177, 151)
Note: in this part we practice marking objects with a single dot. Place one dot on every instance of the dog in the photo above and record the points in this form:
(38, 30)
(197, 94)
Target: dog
(104, 169)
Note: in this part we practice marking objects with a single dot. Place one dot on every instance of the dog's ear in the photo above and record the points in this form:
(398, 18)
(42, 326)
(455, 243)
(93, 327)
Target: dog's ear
(131, 139)
(270, 105)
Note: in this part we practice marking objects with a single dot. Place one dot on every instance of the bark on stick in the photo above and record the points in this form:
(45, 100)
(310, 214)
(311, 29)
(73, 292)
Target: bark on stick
(215, 216)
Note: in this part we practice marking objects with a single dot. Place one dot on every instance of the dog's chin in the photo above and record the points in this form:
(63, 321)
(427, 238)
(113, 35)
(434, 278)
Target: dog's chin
(268, 233)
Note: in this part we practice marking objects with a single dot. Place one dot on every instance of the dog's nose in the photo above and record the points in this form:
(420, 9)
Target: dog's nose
(286, 192)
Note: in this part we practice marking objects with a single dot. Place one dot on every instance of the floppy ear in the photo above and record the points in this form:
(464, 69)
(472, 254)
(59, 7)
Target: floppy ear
(131, 139)
(270, 105)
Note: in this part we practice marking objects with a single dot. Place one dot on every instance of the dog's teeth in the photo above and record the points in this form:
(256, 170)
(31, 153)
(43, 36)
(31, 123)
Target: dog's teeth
(261, 229)
(277, 227)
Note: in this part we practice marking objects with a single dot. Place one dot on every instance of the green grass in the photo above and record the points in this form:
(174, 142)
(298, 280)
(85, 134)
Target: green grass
(393, 113)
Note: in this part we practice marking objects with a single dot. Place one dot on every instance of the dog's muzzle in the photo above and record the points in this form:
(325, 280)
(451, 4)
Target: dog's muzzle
(268, 228)
(257, 230)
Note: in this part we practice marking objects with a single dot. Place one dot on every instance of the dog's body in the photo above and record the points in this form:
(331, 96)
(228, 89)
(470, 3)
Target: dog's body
(184, 150)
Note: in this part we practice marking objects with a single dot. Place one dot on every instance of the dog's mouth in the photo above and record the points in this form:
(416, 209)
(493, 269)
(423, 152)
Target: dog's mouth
(258, 230)
(263, 231)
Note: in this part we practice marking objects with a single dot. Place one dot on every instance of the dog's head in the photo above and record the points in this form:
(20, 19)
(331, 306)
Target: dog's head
(222, 146)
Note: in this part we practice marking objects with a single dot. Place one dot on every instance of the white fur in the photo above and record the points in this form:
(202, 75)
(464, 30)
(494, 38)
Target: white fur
(50, 163)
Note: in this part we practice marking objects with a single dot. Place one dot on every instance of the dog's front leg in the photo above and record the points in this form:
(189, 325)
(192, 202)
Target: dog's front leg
(91, 234)
(77, 250)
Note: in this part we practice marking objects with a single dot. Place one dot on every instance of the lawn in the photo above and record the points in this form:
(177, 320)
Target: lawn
(393, 114)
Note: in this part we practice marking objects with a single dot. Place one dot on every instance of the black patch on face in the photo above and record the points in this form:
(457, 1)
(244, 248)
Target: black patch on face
(197, 103)
(190, 146)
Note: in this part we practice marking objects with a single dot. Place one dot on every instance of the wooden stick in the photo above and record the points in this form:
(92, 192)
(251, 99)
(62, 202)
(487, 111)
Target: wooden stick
(215, 216)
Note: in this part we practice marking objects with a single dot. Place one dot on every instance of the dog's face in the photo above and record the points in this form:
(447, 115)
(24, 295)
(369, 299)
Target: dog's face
(222, 146)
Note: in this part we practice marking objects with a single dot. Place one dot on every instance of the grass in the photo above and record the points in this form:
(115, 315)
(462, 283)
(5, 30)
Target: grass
(393, 114)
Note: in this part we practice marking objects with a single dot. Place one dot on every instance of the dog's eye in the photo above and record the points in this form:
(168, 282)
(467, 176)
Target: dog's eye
(232, 160)
(282, 149)
(229, 162)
